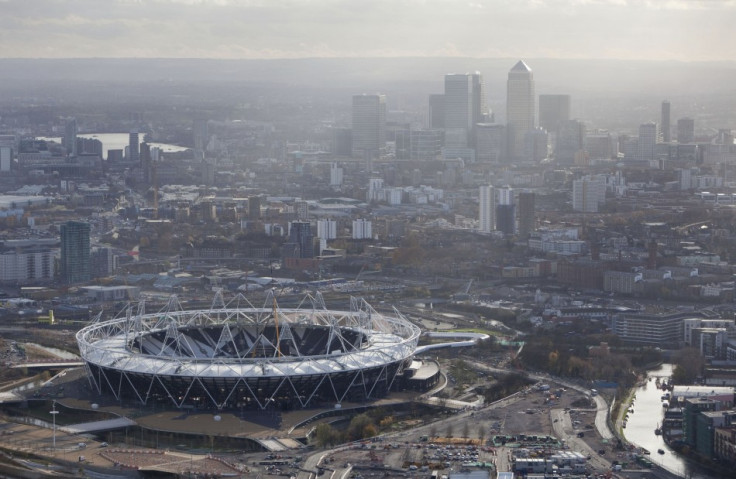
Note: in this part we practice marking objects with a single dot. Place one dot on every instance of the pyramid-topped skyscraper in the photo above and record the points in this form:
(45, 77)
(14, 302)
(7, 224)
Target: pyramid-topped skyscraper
(520, 107)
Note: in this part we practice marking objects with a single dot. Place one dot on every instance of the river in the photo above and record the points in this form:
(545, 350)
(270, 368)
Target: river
(648, 414)
(118, 141)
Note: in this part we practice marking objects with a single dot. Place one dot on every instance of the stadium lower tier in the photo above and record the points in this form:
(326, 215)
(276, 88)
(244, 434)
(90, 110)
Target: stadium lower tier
(282, 392)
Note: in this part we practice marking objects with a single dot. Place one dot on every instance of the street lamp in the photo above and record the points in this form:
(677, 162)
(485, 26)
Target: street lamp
(53, 413)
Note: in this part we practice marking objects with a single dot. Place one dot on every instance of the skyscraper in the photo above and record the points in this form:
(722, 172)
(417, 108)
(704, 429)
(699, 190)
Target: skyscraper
(490, 142)
(487, 209)
(254, 208)
(362, 229)
(70, 136)
(6, 158)
(336, 175)
(535, 145)
(527, 221)
(437, 111)
(519, 107)
(458, 109)
(685, 130)
(648, 137)
(134, 148)
(75, 253)
(425, 144)
(480, 108)
(369, 125)
(570, 141)
(553, 111)
(327, 229)
(506, 211)
(300, 242)
(588, 193)
(665, 122)
(200, 136)
(465, 106)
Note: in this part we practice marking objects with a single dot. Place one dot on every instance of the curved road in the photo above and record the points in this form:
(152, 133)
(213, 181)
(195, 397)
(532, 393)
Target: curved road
(601, 415)
(561, 427)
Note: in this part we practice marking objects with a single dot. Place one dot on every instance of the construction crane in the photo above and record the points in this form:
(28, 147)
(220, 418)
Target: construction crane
(154, 180)
(276, 324)
(467, 286)
(465, 292)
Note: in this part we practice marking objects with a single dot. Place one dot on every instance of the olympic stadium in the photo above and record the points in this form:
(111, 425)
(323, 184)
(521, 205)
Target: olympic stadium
(236, 355)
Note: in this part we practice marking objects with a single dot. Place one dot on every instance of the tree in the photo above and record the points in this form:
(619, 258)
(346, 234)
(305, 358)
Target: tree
(359, 427)
(689, 365)
(325, 435)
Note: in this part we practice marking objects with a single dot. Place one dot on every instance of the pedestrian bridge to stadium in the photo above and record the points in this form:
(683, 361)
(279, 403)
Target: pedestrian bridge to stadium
(465, 340)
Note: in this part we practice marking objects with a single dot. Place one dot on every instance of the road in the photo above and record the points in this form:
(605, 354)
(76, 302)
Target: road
(601, 416)
(563, 427)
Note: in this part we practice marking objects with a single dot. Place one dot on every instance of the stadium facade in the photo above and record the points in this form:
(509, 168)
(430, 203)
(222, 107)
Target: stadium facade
(235, 355)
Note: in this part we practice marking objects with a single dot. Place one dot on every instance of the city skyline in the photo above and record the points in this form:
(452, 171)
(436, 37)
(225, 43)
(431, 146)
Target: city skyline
(233, 29)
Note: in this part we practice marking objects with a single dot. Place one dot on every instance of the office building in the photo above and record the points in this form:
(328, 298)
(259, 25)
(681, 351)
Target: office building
(425, 145)
(535, 145)
(70, 137)
(89, 146)
(301, 241)
(6, 158)
(336, 175)
(200, 133)
(369, 126)
(342, 141)
(402, 144)
(75, 252)
(600, 145)
(487, 209)
(648, 139)
(458, 109)
(479, 105)
(200, 137)
(115, 156)
(436, 111)
(27, 261)
(490, 142)
(254, 208)
(134, 148)
(301, 209)
(685, 130)
(664, 331)
(520, 107)
(465, 106)
(103, 262)
(553, 111)
(588, 193)
(375, 190)
(665, 122)
(570, 141)
(526, 215)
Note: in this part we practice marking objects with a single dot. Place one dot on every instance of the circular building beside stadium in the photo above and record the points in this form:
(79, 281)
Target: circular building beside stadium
(238, 356)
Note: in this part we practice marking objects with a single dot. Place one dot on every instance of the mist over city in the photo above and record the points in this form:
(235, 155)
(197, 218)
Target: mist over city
(339, 239)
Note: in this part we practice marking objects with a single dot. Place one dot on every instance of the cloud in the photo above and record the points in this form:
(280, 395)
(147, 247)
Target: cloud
(329, 28)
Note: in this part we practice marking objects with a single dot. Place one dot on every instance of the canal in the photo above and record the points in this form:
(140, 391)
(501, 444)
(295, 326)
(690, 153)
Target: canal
(648, 414)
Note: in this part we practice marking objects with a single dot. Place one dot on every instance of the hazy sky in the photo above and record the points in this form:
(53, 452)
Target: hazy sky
(625, 29)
